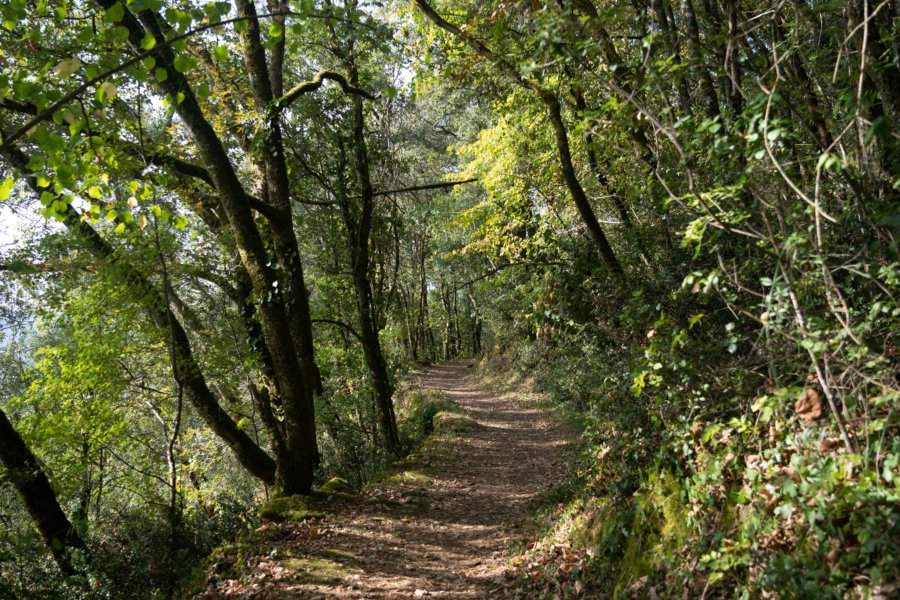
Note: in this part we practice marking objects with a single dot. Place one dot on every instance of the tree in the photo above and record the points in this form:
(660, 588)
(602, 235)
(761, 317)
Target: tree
(32, 484)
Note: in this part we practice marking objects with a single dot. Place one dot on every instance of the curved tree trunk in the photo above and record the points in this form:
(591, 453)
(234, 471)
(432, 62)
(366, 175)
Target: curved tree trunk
(248, 453)
(294, 471)
(33, 486)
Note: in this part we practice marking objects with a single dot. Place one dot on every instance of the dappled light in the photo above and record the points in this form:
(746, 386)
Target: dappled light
(532, 299)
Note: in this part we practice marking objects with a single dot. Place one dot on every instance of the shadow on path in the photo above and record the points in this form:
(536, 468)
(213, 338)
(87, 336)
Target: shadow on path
(440, 528)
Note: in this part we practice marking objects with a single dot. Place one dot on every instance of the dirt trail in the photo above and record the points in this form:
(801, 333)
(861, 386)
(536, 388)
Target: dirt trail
(440, 527)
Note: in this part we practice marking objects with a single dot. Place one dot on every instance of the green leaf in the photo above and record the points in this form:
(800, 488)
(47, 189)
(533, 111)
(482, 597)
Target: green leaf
(184, 63)
(115, 13)
(148, 42)
(20, 267)
(6, 188)
(180, 222)
(106, 91)
(66, 67)
(111, 215)
(221, 52)
(161, 75)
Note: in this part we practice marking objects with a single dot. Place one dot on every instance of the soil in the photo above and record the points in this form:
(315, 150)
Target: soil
(439, 527)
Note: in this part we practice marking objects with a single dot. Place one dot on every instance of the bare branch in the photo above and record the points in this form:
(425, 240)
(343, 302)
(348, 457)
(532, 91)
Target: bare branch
(426, 186)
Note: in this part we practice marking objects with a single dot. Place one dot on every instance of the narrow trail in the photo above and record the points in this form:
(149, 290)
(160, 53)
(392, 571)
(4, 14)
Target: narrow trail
(439, 528)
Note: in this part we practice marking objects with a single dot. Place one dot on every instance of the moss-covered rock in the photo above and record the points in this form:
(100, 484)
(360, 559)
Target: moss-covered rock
(446, 422)
(290, 508)
(337, 486)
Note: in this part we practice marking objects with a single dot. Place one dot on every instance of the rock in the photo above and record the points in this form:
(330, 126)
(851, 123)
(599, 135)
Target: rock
(290, 508)
(336, 485)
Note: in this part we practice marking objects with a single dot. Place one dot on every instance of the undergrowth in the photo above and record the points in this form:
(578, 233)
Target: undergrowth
(744, 503)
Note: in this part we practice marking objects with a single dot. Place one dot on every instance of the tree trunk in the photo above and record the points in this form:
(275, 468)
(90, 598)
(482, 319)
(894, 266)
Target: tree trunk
(358, 226)
(707, 89)
(477, 324)
(294, 472)
(198, 393)
(575, 189)
(732, 66)
(662, 18)
(30, 481)
(554, 109)
(358, 233)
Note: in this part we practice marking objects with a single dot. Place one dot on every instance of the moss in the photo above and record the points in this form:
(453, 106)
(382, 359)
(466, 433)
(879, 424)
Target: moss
(667, 494)
(658, 530)
(421, 412)
(453, 423)
(337, 486)
(637, 560)
(317, 571)
(594, 526)
(414, 477)
(224, 562)
(336, 554)
(290, 508)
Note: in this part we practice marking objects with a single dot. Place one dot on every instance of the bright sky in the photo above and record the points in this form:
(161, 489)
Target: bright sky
(9, 225)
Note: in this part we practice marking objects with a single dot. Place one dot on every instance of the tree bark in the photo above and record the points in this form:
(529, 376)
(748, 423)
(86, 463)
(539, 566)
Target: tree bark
(359, 230)
(707, 89)
(294, 471)
(33, 486)
(574, 184)
(477, 323)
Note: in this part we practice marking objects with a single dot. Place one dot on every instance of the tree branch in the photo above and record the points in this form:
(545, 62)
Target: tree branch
(505, 266)
(314, 84)
(346, 326)
(182, 167)
(426, 186)
(26, 108)
(314, 202)
(188, 169)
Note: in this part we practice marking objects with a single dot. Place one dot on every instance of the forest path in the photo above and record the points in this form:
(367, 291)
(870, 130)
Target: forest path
(438, 527)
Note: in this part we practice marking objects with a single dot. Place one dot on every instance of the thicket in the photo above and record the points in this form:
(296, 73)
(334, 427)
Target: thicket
(233, 226)
(737, 376)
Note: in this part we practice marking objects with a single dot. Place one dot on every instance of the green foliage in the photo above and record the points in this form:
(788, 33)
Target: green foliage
(295, 509)
(736, 385)
(419, 412)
